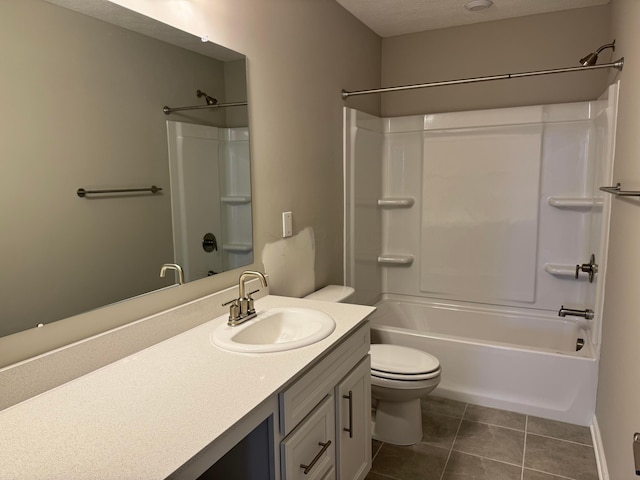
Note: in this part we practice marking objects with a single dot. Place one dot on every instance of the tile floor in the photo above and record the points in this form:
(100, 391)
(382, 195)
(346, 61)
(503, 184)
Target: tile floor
(462, 441)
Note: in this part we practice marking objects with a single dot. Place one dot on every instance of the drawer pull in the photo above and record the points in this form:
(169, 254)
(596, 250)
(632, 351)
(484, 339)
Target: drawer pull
(350, 429)
(307, 468)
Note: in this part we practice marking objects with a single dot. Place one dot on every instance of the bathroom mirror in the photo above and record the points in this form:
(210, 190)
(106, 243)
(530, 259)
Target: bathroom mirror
(83, 109)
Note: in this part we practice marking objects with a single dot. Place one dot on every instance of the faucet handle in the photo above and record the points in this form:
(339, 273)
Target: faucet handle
(250, 308)
(234, 311)
(591, 268)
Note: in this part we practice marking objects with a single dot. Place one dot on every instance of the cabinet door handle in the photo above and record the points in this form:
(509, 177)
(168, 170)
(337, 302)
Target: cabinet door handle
(350, 429)
(307, 468)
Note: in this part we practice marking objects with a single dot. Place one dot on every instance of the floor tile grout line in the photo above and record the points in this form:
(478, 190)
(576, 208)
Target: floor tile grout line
(387, 476)
(373, 458)
(494, 425)
(561, 439)
(562, 477)
(376, 454)
(524, 449)
(453, 443)
(488, 458)
(441, 414)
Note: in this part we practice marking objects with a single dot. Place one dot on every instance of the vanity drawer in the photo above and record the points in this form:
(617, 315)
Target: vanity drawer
(300, 398)
(309, 451)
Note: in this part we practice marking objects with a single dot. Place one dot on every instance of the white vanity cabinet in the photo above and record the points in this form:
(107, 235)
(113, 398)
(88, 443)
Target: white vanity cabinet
(204, 412)
(324, 416)
(308, 452)
(353, 421)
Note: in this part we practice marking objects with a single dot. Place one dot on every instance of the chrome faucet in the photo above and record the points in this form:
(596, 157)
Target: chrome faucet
(586, 313)
(173, 266)
(241, 309)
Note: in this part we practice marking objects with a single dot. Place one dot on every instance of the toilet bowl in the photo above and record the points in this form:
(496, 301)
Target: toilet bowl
(400, 376)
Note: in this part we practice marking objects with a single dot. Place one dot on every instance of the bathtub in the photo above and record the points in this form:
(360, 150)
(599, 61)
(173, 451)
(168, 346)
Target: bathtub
(513, 360)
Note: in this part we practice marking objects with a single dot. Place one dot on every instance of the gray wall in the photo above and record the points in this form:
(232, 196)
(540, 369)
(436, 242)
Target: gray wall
(300, 55)
(617, 409)
(536, 42)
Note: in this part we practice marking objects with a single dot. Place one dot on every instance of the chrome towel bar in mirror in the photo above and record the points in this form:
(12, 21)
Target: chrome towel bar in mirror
(81, 192)
(617, 190)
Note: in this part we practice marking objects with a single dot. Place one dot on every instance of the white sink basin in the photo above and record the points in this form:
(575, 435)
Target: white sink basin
(275, 330)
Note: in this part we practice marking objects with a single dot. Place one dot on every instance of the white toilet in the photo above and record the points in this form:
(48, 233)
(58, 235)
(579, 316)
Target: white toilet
(400, 376)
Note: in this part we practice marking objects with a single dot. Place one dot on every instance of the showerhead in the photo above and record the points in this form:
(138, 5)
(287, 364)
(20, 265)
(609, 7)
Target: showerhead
(592, 58)
(209, 100)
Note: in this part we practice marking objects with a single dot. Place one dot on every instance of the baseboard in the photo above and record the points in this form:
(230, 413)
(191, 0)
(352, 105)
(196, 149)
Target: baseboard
(601, 462)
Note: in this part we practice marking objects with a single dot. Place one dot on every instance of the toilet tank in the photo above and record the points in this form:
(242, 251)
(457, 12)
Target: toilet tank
(332, 293)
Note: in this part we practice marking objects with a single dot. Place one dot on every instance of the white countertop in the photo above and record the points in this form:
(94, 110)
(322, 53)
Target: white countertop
(144, 416)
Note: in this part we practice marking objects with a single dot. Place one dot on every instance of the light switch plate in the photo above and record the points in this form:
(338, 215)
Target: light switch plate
(287, 224)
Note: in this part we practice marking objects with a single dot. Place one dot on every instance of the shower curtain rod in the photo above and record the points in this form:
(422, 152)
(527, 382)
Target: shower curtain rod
(618, 64)
(168, 110)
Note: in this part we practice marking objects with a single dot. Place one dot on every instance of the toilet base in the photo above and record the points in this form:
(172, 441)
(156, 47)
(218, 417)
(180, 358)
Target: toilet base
(399, 423)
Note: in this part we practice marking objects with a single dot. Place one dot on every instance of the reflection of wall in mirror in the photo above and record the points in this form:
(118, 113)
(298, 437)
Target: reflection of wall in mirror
(85, 110)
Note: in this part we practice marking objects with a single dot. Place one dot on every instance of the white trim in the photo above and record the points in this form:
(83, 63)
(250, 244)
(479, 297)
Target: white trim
(598, 447)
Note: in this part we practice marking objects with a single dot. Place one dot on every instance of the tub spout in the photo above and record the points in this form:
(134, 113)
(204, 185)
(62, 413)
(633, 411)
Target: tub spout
(586, 313)
(177, 268)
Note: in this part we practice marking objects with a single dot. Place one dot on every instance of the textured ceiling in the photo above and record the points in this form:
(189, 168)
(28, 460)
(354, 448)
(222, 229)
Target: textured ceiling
(396, 17)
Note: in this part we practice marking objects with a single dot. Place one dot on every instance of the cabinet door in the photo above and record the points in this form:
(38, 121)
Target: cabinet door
(353, 420)
(309, 451)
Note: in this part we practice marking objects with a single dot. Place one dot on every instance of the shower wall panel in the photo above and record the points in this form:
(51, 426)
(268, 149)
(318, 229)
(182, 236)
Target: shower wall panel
(492, 206)
(483, 228)
(363, 138)
(480, 190)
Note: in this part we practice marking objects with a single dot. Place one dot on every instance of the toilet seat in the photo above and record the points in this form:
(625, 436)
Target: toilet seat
(404, 377)
(402, 363)
(404, 386)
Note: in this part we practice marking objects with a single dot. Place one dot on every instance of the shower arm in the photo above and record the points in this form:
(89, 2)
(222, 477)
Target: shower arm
(611, 45)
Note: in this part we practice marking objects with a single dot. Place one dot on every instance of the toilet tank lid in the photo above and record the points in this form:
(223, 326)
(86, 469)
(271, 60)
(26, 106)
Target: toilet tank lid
(398, 359)
(332, 293)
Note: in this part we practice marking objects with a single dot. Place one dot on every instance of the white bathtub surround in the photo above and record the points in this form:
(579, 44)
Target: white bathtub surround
(486, 205)
(495, 208)
(512, 360)
(217, 172)
(147, 415)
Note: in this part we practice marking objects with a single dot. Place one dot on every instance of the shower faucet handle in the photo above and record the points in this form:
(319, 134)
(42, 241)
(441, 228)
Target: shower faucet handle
(591, 268)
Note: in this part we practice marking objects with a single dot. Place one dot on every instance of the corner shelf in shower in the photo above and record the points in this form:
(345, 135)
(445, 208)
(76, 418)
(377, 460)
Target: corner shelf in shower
(575, 202)
(396, 202)
(560, 270)
(237, 247)
(395, 260)
(236, 199)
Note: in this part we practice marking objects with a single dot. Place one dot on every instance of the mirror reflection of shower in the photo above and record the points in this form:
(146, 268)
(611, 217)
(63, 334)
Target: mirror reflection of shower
(592, 58)
(210, 198)
(210, 103)
(209, 99)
